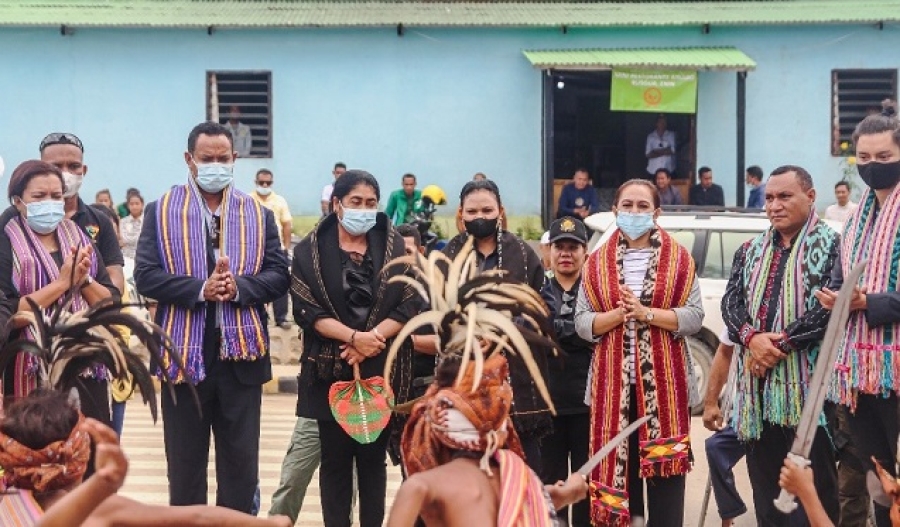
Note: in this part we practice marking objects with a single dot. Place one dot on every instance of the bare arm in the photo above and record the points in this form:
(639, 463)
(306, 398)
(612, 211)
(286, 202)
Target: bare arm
(287, 229)
(718, 376)
(124, 512)
(799, 482)
(95, 292)
(573, 490)
(425, 344)
(410, 499)
(117, 275)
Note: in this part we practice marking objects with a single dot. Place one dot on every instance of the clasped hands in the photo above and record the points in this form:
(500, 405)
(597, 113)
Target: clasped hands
(630, 307)
(362, 345)
(78, 258)
(220, 286)
(764, 354)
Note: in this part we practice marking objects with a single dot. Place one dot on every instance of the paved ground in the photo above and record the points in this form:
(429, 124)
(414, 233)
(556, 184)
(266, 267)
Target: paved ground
(147, 478)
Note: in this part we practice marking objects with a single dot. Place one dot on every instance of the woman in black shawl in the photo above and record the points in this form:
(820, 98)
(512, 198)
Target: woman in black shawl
(481, 212)
(348, 313)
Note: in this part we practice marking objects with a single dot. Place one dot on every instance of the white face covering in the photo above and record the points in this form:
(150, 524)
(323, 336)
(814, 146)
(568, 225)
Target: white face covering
(73, 183)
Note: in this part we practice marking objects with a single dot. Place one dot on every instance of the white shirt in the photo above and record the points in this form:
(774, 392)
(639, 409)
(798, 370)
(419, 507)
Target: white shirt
(837, 213)
(654, 141)
(326, 192)
(634, 269)
(242, 136)
(129, 233)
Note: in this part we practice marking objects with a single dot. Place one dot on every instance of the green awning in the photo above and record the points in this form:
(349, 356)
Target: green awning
(719, 58)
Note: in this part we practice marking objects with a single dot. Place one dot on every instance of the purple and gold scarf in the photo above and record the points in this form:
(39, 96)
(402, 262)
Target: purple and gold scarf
(181, 220)
(33, 269)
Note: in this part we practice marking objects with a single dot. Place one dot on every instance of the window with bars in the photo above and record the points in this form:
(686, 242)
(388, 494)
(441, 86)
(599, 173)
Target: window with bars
(242, 101)
(855, 94)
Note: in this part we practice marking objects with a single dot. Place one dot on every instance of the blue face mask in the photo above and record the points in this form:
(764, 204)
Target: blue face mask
(358, 221)
(634, 225)
(214, 177)
(44, 216)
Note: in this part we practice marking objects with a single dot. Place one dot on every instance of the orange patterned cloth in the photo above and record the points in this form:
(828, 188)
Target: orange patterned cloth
(425, 444)
(53, 467)
(482, 425)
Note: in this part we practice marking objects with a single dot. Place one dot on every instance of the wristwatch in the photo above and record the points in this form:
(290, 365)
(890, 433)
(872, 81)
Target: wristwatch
(87, 281)
(649, 315)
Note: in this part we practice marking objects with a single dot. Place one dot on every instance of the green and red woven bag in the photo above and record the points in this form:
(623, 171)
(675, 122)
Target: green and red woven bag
(362, 406)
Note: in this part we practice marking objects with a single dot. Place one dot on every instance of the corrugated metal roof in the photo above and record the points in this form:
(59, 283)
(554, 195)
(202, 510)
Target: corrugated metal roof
(721, 58)
(301, 13)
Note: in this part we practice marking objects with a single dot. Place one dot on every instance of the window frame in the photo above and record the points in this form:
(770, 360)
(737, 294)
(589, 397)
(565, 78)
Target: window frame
(270, 151)
(836, 137)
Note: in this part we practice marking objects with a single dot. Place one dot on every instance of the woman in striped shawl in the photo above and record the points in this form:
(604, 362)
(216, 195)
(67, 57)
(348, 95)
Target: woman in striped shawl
(42, 256)
(867, 377)
(639, 297)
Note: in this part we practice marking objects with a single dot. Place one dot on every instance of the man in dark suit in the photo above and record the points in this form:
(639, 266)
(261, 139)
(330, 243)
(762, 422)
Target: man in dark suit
(212, 257)
(706, 192)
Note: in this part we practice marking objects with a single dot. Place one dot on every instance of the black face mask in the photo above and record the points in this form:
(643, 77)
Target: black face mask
(879, 176)
(482, 228)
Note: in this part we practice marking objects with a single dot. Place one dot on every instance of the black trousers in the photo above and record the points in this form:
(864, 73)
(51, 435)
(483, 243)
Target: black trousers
(339, 452)
(568, 442)
(231, 410)
(280, 308)
(93, 395)
(873, 432)
(531, 447)
(665, 496)
(765, 457)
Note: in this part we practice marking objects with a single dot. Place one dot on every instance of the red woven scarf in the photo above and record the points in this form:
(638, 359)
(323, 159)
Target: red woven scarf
(660, 365)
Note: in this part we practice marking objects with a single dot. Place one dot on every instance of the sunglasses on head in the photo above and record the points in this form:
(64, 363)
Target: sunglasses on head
(61, 138)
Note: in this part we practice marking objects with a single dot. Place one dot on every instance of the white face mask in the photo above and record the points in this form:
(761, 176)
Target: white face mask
(73, 183)
(263, 191)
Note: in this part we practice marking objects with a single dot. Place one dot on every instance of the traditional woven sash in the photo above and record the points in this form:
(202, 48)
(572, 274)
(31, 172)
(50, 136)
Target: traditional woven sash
(522, 501)
(778, 399)
(662, 372)
(181, 219)
(869, 358)
(33, 269)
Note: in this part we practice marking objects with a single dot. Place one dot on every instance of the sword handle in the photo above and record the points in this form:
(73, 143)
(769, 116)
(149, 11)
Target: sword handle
(786, 502)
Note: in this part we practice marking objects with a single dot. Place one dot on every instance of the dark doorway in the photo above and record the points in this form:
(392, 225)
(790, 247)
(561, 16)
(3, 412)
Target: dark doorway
(609, 144)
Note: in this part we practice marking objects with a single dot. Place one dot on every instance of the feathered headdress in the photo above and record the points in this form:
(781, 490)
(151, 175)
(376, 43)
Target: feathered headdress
(474, 314)
(68, 343)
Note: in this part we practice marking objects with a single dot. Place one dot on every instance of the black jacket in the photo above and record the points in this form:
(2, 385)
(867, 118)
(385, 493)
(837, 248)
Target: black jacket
(567, 374)
(530, 413)
(271, 282)
(317, 291)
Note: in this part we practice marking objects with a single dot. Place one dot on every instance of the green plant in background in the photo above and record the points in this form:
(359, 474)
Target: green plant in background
(849, 171)
(527, 229)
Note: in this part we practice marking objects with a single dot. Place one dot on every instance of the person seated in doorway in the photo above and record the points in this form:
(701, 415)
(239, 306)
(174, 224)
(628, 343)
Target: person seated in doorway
(660, 148)
(578, 198)
(706, 193)
(668, 195)
(756, 199)
(402, 203)
(844, 208)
